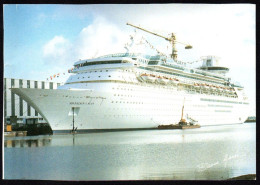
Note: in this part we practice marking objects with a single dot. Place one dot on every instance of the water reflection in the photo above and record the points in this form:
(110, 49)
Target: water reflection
(21, 143)
(215, 174)
(212, 153)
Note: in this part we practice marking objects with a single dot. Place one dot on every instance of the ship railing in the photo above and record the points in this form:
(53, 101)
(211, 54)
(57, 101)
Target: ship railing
(173, 66)
(132, 55)
(198, 71)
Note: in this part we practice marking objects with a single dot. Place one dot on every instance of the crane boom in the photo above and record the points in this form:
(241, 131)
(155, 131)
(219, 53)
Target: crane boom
(171, 39)
(147, 31)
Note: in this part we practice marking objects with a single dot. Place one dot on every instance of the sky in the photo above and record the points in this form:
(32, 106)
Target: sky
(43, 40)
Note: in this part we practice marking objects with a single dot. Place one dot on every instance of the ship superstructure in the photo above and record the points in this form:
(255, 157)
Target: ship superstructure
(132, 90)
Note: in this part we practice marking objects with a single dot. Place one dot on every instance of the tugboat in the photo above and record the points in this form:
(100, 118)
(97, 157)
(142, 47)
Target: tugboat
(183, 124)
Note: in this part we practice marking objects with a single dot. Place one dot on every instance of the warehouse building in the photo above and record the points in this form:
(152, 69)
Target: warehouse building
(18, 111)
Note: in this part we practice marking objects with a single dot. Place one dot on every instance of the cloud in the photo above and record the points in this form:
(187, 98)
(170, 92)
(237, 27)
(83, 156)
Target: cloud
(226, 31)
(56, 51)
(7, 65)
(39, 20)
(100, 38)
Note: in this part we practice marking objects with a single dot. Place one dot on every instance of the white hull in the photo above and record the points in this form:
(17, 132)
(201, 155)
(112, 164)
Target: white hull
(127, 106)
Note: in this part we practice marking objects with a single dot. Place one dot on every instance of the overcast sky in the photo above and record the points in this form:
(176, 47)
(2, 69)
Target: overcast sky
(43, 40)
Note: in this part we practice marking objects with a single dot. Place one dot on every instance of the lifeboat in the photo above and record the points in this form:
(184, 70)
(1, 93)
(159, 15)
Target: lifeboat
(147, 77)
(160, 79)
(203, 86)
(166, 79)
(144, 76)
(226, 89)
(152, 77)
(223, 89)
(196, 85)
(139, 78)
(172, 81)
(213, 87)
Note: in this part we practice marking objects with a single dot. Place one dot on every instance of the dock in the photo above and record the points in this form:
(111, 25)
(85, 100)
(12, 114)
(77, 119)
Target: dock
(178, 126)
(250, 119)
(15, 133)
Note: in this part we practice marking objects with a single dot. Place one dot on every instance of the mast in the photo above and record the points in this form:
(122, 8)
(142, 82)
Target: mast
(182, 112)
(182, 109)
(73, 119)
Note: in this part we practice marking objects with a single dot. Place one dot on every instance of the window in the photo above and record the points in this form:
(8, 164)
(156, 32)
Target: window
(12, 104)
(28, 110)
(20, 83)
(153, 62)
(28, 83)
(21, 106)
(209, 63)
(51, 85)
(35, 84)
(12, 82)
(5, 102)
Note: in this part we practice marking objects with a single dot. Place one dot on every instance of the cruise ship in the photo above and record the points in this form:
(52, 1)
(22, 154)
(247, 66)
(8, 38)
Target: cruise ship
(138, 91)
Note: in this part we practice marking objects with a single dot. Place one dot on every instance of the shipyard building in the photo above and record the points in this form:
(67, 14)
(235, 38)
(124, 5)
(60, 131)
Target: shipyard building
(18, 111)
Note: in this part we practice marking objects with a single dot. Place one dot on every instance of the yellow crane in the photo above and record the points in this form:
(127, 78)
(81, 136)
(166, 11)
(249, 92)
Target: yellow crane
(171, 39)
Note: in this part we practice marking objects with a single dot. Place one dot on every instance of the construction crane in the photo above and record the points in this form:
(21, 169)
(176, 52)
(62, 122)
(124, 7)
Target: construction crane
(171, 39)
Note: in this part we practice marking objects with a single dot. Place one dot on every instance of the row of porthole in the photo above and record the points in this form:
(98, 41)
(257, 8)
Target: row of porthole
(147, 109)
(100, 76)
(89, 76)
(91, 72)
(124, 95)
(122, 89)
(165, 105)
(144, 90)
(136, 115)
(127, 102)
(72, 96)
(147, 97)
(67, 96)
(104, 71)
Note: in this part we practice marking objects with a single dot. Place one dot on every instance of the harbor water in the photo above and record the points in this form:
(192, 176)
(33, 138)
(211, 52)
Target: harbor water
(206, 153)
